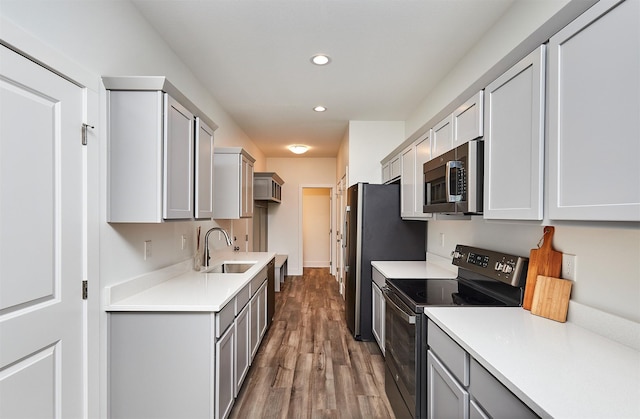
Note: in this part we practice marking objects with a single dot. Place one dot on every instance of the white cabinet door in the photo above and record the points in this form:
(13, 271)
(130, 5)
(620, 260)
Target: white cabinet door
(246, 185)
(514, 141)
(395, 167)
(225, 366)
(442, 137)
(262, 294)
(203, 170)
(594, 108)
(41, 189)
(378, 307)
(423, 155)
(468, 120)
(446, 398)
(243, 351)
(178, 141)
(254, 332)
(386, 172)
(407, 182)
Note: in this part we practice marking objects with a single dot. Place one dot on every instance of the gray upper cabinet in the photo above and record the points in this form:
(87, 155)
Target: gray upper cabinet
(233, 175)
(514, 141)
(594, 109)
(442, 137)
(267, 186)
(204, 170)
(152, 163)
(468, 123)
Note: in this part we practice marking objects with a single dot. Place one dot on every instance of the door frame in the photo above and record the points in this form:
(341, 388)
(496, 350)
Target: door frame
(23, 43)
(332, 223)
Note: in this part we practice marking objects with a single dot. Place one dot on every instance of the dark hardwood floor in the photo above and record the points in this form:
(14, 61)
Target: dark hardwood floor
(309, 366)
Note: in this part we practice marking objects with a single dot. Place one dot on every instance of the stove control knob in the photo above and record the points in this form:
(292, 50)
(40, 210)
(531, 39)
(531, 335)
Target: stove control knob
(456, 254)
(499, 266)
(507, 269)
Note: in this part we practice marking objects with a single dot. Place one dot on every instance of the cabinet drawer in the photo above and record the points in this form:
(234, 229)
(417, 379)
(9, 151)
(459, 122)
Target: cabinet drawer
(225, 317)
(243, 297)
(258, 280)
(450, 353)
(496, 400)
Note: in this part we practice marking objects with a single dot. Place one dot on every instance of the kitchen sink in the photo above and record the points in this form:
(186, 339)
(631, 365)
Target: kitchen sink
(230, 267)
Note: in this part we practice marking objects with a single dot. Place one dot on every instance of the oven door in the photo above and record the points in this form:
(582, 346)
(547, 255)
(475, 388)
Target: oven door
(400, 355)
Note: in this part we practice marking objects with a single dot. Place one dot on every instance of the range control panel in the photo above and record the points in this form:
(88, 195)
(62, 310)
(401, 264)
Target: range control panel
(503, 267)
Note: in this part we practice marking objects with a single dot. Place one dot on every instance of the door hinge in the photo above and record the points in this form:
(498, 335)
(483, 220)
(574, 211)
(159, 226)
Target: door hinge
(85, 289)
(84, 132)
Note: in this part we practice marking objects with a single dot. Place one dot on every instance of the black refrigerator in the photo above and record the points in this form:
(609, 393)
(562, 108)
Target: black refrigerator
(374, 231)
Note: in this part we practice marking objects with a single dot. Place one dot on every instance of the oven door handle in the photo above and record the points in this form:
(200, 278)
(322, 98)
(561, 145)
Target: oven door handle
(411, 319)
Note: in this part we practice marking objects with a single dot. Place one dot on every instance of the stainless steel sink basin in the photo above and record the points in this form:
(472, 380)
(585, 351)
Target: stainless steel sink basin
(230, 267)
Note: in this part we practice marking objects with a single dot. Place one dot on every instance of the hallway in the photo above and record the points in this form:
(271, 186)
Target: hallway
(309, 365)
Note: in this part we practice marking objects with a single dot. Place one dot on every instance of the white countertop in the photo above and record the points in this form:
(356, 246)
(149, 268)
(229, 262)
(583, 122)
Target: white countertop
(183, 289)
(430, 268)
(559, 370)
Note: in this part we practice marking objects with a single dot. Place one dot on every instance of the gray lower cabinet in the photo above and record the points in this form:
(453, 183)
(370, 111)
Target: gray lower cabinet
(184, 364)
(447, 398)
(459, 387)
(225, 369)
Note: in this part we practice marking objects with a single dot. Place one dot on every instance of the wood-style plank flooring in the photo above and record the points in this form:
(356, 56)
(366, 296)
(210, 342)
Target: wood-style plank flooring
(309, 366)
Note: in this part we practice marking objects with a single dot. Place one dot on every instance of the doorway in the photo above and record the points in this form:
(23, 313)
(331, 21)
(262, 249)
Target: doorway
(316, 250)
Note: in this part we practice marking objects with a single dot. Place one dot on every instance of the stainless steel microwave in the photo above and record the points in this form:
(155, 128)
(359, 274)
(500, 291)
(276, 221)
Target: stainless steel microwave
(453, 181)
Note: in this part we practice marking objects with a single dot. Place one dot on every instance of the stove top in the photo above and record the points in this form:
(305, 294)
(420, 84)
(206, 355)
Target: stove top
(485, 278)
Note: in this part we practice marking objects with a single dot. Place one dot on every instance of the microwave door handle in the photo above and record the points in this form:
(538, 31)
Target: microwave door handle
(451, 166)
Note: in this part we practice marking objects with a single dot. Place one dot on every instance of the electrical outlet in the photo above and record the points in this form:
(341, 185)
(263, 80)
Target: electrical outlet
(441, 239)
(569, 266)
(184, 241)
(147, 249)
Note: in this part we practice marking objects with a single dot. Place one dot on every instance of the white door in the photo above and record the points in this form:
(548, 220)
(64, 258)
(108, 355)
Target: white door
(41, 250)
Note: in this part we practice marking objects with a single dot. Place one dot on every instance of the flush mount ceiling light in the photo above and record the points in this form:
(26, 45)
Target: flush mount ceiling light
(320, 59)
(298, 148)
(319, 108)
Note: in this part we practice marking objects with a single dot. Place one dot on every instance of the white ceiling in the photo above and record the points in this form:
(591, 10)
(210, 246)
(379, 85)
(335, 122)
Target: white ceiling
(253, 55)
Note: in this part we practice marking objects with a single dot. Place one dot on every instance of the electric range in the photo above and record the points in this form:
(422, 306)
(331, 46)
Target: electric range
(485, 278)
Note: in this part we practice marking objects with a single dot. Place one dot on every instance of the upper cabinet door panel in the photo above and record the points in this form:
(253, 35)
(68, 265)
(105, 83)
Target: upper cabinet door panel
(468, 120)
(442, 137)
(178, 161)
(514, 141)
(203, 170)
(594, 108)
(408, 182)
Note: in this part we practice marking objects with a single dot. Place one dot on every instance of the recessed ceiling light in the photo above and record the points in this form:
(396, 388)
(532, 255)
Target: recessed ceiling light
(298, 148)
(320, 59)
(319, 108)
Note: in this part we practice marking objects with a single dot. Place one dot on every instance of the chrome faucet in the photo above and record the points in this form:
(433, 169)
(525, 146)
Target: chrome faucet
(207, 254)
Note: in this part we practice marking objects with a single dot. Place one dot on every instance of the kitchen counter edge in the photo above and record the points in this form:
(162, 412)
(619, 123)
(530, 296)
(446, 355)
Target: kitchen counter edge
(180, 288)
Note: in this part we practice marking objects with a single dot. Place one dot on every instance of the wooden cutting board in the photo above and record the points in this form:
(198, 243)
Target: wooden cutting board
(551, 298)
(543, 261)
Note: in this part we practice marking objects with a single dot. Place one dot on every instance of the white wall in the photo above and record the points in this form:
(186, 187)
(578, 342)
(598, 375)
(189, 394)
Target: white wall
(316, 226)
(86, 40)
(370, 142)
(284, 218)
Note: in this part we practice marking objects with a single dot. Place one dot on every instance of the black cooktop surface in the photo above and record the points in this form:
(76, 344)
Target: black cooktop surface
(440, 292)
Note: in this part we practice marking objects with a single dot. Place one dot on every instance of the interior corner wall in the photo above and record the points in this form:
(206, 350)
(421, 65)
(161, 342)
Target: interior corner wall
(369, 143)
(284, 218)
